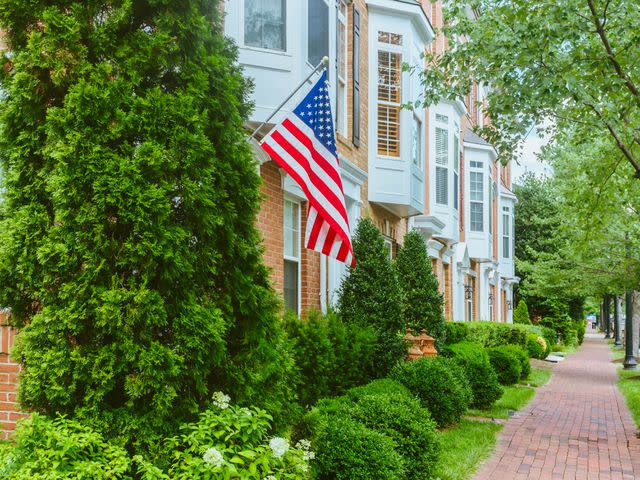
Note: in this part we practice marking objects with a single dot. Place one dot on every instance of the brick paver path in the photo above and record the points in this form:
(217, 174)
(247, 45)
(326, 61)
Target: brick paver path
(577, 427)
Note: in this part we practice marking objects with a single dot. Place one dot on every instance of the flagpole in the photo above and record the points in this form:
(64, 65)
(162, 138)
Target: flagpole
(323, 64)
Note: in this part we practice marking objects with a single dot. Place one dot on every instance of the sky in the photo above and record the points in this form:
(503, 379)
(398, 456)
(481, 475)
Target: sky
(528, 161)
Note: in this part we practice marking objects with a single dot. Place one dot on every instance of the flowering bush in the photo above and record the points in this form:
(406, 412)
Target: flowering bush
(230, 442)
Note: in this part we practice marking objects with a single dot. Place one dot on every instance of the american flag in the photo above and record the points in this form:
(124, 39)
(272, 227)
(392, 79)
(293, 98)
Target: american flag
(304, 145)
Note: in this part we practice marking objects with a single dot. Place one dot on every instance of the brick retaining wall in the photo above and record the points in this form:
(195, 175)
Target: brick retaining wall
(9, 409)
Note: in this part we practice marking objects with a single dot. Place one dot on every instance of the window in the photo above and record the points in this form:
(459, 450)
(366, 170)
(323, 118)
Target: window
(389, 96)
(442, 166)
(476, 201)
(291, 281)
(341, 111)
(318, 28)
(265, 24)
(355, 118)
(388, 246)
(456, 168)
(506, 232)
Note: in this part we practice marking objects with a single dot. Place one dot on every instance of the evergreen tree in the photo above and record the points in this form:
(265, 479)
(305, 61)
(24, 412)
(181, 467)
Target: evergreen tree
(128, 252)
(521, 314)
(422, 303)
(370, 295)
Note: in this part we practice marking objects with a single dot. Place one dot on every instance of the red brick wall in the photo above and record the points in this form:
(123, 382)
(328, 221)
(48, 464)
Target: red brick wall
(9, 410)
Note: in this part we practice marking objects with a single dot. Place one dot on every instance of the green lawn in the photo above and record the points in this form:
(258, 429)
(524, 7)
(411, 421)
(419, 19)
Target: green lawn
(464, 447)
(515, 397)
(628, 383)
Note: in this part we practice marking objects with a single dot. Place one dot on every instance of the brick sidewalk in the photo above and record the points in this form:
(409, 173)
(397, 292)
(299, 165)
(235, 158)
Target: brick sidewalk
(577, 427)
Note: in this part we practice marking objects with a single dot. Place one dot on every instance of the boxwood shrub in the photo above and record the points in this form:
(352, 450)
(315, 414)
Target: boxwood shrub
(491, 334)
(536, 346)
(506, 364)
(523, 357)
(346, 449)
(441, 385)
(474, 359)
(456, 332)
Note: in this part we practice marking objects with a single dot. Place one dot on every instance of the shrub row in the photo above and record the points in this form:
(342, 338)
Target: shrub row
(487, 334)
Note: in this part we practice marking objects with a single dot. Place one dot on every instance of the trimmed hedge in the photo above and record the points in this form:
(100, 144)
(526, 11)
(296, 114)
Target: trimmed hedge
(387, 408)
(523, 358)
(474, 359)
(536, 346)
(456, 332)
(547, 333)
(440, 383)
(487, 334)
(331, 356)
(506, 364)
(347, 449)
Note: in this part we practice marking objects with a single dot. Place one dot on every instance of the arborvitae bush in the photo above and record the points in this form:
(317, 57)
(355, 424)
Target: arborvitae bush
(521, 314)
(370, 295)
(422, 303)
(128, 251)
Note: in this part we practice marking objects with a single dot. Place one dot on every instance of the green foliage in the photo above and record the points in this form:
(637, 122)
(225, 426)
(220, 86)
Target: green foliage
(389, 408)
(422, 303)
(581, 328)
(370, 295)
(229, 442)
(440, 383)
(331, 356)
(128, 252)
(346, 449)
(536, 346)
(474, 359)
(521, 314)
(564, 327)
(547, 333)
(506, 365)
(491, 334)
(456, 332)
(52, 449)
(523, 358)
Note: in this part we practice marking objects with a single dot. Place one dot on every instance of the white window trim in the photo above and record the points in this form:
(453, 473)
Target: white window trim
(442, 125)
(292, 199)
(481, 202)
(506, 233)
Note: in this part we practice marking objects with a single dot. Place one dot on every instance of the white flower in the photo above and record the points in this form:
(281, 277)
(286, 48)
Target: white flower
(270, 477)
(303, 445)
(213, 457)
(308, 455)
(247, 412)
(221, 400)
(279, 446)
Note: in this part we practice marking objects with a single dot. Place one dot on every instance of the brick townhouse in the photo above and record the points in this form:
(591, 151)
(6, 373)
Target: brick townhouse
(422, 169)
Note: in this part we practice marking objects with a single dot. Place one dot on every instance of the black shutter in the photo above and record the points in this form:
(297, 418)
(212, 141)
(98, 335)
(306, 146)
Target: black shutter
(356, 78)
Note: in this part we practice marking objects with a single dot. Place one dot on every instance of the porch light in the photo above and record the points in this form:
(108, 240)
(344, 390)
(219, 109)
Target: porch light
(468, 292)
(491, 299)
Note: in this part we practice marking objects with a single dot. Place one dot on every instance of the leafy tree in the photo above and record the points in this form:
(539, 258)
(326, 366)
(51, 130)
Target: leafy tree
(521, 313)
(422, 303)
(370, 295)
(128, 252)
(571, 62)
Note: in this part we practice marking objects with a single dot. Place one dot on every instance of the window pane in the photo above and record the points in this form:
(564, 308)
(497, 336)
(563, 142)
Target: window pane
(476, 217)
(442, 146)
(290, 289)
(291, 229)
(456, 194)
(318, 40)
(416, 150)
(476, 186)
(390, 38)
(442, 186)
(389, 76)
(456, 153)
(505, 236)
(389, 130)
(264, 24)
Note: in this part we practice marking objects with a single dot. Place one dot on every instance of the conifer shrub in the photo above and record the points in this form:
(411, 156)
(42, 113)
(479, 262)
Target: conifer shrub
(441, 385)
(536, 346)
(128, 250)
(422, 303)
(474, 359)
(521, 314)
(370, 295)
(331, 356)
(506, 364)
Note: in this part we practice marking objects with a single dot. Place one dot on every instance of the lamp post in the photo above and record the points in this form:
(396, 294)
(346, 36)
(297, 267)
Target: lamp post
(616, 319)
(629, 357)
(607, 319)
